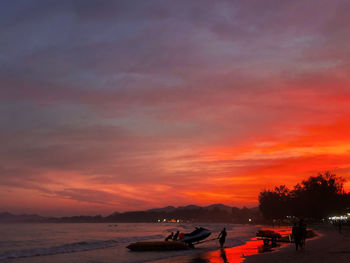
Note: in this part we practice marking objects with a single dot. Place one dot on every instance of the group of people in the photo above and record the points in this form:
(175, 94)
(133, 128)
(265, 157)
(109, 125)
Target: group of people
(299, 234)
(178, 235)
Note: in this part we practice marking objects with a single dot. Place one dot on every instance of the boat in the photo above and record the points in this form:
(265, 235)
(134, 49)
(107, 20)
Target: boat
(185, 242)
(157, 246)
(195, 236)
(268, 234)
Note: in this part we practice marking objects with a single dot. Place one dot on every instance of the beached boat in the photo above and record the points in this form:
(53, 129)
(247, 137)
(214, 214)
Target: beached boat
(157, 246)
(268, 234)
(195, 236)
(269, 237)
(186, 241)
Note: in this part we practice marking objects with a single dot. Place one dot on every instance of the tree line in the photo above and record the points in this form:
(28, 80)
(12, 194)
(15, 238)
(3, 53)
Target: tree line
(316, 198)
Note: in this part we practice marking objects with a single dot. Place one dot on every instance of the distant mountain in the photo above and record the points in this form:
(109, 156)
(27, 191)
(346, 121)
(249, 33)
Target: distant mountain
(189, 207)
(10, 218)
(190, 213)
(5, 215)
(220, 207)
(166, 209)
(115, 213)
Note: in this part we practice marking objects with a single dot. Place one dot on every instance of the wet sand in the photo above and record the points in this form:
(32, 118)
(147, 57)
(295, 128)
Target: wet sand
(234, 254)
(328, 247)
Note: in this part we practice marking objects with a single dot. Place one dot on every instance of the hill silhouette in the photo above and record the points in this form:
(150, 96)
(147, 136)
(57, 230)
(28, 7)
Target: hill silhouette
(189, 213)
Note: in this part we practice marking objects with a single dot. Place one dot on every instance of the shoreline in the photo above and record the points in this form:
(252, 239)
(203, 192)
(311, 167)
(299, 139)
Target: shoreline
(234, 254)
(327, 247)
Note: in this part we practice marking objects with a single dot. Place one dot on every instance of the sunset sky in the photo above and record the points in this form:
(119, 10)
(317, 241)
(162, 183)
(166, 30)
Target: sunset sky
(127, 105)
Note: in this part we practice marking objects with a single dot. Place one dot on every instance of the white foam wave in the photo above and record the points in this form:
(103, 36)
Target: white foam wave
(73, 247)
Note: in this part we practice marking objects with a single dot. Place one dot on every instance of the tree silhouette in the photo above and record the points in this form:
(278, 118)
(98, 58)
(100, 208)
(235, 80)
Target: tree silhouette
(274, 204)
(314, 198)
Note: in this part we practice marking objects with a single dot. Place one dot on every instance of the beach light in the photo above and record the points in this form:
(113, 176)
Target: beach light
(338, 218)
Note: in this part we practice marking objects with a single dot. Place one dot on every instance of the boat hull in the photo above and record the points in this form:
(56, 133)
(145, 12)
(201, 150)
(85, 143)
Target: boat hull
(157, 246)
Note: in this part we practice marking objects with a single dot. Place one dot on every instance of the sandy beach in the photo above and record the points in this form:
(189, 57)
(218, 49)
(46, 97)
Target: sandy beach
(329, 246)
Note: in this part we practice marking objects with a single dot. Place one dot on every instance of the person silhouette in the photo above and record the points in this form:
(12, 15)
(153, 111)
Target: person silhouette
(170, 236)
(222, 237)
(296, 236)
(176, 235)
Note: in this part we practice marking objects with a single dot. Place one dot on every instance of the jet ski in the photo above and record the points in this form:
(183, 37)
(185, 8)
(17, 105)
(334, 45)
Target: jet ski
(185, 242)
(195, 236)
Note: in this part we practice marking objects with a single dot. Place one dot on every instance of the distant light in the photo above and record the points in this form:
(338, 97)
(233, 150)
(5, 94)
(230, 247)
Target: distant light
(158, 220)
(338, 218)
(178, 221)
(249, 220)
(164, 220)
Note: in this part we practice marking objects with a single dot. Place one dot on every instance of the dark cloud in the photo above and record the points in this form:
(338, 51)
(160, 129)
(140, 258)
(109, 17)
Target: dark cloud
(133, 93)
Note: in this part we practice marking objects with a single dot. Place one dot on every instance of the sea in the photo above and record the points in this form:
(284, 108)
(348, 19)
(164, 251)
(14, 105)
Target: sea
(40, 242)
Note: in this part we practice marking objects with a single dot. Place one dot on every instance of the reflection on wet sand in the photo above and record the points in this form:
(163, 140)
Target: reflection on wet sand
(237, 254)
(223, 255)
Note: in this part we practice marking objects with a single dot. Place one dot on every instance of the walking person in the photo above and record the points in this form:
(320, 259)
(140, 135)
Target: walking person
(222, 237)
(296, 236)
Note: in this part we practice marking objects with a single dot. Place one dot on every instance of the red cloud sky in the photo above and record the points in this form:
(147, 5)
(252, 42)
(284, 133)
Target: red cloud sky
(122, 106)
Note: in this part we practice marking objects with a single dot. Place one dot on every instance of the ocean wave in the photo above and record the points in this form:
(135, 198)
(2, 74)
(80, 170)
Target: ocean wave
(73, 247)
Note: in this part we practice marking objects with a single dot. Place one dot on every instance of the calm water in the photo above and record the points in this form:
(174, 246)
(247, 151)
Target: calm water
(35, 242)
